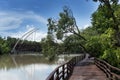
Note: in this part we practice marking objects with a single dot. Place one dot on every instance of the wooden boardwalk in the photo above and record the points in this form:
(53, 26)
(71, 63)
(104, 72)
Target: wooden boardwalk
(87, 70)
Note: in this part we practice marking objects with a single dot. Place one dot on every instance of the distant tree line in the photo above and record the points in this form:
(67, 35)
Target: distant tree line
(6, 45)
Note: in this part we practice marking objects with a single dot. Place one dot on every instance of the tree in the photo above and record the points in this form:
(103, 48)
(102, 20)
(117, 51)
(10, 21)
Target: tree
(49, 47)
(110, 7)
(110, 53)
(72, 44)
(65, 24)
(23, 45)
(4, 48)
(105, 20)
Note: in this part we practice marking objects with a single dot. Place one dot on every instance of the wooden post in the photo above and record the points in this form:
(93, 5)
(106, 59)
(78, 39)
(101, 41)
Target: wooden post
(63, 72)
(57, 74)
(52, 78)
(67, 70)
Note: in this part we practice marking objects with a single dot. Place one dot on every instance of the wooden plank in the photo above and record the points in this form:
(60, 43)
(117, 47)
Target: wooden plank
(87, 71)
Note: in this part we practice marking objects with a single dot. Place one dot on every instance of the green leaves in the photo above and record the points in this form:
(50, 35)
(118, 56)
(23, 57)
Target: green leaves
(112, 56)
(104, 1)
(59, 35)
(94, 46)
(72, 44)
(49, 47)
(65, 24)
(4, 48)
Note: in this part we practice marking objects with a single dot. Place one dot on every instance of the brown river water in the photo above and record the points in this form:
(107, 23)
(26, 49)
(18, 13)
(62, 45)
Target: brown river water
(27, 67)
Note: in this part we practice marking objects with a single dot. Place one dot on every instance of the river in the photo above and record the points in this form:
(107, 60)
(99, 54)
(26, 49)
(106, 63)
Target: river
(27, 67)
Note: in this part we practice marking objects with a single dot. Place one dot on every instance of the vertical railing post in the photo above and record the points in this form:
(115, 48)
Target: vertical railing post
(111, 76)
(57, 74)
(63, 72)
(71, 64)
(52, 78)
(67, 70)
(75, 60)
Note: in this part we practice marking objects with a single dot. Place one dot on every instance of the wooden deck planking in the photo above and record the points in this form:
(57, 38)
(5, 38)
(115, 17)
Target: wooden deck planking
(87, 70)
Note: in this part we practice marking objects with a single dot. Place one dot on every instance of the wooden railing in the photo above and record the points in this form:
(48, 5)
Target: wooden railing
(111, 72)
(64, 71)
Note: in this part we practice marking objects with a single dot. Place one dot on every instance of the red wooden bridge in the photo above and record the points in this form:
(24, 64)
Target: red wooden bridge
(84, 68)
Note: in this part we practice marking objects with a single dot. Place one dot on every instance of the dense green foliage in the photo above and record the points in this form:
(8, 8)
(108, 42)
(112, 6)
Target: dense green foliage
(72, 44)
(4, 48)
(24, 45)
(64, 25)
(6, 45)
(101, 39)
(50, 48)
(106, 26)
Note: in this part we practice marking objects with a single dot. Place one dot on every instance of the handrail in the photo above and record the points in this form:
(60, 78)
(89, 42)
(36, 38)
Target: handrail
(64, 71)
(111, 72)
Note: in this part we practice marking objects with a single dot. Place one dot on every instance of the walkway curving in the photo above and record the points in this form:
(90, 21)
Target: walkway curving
(87, 70)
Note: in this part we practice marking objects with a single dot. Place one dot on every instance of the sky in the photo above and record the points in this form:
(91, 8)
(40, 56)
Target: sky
(20, 16)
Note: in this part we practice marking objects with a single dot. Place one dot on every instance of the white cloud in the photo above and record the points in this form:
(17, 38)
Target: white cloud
(8, 22)
(35, 36)
(86, 26)
(13, 20)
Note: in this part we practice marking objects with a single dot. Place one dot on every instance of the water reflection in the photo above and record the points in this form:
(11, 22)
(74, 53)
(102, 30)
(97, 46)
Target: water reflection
(28, 68)
(29, 72)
